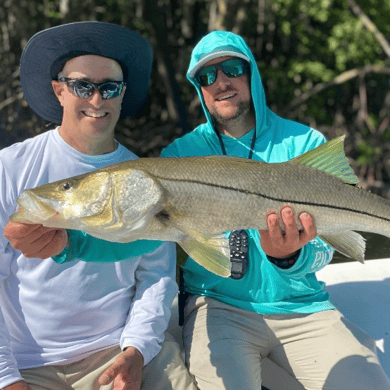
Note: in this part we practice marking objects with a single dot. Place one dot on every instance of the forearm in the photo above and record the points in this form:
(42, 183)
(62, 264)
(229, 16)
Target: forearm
(84, 247)
(151, 308)
(9, 372)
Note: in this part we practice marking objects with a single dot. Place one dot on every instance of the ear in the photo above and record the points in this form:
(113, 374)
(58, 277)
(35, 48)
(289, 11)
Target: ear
(58, 89)
(123, 91)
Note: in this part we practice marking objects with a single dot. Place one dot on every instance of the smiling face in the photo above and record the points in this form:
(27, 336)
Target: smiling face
(88, 125)
(229, 102)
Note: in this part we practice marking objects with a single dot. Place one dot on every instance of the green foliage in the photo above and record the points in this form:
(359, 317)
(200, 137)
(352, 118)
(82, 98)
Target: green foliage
(367, 153)
(316, 70)
(353, 44)
(302, 47)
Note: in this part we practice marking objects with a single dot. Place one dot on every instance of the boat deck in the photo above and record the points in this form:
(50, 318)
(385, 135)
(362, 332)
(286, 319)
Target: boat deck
(360, 291)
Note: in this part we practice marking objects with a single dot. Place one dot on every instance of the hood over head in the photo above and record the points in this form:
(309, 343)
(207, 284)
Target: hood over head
(223, 43)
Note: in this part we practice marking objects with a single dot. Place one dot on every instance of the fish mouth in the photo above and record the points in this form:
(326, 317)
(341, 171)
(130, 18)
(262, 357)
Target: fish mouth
(32, 209)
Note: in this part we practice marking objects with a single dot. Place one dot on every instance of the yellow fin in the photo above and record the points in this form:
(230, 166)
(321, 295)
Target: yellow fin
(211, 253)
(349, 243)
(329, 157)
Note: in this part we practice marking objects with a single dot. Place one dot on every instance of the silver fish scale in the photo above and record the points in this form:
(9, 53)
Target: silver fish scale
(217, 194)
(193, 200)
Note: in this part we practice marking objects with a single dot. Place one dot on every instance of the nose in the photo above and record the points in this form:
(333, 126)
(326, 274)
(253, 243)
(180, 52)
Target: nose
(96, 99)
(222, 80)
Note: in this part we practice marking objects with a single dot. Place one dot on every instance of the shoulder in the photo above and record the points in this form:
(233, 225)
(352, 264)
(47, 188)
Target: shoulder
(191, 144)
(21, 153)
(19, 148)
(124, 154)
(297, 137)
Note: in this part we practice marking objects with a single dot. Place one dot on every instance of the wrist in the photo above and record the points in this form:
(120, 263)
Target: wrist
(130, 350)
(285, 263)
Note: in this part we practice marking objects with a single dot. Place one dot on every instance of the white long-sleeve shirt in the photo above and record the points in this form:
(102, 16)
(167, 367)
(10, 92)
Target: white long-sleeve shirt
(57, 314)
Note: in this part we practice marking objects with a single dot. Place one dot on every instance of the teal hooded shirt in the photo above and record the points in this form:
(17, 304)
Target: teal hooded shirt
(265, 288)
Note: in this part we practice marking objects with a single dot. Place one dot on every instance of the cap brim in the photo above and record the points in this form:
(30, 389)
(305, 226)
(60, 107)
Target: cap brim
(212, 56)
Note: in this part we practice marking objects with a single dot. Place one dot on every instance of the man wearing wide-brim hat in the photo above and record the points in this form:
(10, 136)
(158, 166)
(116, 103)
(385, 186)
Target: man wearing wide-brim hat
(82, 325)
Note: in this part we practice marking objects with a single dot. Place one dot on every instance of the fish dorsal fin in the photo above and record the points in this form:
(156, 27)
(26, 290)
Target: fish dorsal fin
(329, 157)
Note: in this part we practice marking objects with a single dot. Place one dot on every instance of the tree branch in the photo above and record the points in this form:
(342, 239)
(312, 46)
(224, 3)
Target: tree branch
(370, 26)
(340, 79)
(10, 100)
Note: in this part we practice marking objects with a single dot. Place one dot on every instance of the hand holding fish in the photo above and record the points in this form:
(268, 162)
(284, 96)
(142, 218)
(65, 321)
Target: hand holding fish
(282, 244)
(35, 240)
(126, 371)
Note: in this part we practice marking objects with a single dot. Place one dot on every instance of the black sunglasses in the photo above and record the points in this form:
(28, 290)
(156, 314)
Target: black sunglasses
(231, 68)
(84, 89)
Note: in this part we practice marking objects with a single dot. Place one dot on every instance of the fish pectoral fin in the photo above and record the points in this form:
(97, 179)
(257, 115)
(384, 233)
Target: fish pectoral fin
(350, 244)
(212, 253)
(329, 157)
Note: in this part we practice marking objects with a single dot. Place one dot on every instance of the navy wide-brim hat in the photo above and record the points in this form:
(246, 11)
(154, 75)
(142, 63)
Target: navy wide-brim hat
(47, 51)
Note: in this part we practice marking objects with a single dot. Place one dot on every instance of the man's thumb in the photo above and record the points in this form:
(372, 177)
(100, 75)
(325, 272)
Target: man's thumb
(108, 376)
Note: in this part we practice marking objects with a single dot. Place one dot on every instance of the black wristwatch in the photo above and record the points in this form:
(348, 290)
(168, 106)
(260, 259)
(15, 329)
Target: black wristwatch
(285, 263)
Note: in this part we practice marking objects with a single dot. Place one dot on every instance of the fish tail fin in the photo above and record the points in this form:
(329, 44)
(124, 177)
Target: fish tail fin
(210, 252)
(350, 244)
(329, 157)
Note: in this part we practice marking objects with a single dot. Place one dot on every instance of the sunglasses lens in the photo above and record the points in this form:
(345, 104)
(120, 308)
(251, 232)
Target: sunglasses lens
(110, 90)
(206, 76)
(83, 89)
(233, 68)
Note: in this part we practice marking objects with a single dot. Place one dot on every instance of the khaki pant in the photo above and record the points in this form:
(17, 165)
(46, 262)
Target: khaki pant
(225, 347)
(165, 372)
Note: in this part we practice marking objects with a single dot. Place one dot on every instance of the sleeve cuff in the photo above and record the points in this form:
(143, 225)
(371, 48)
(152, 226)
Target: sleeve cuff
(9, 379)
(148, 350)
(64, 257)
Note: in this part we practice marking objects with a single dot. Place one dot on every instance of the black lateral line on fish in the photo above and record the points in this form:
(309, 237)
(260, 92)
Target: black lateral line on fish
(277, 199)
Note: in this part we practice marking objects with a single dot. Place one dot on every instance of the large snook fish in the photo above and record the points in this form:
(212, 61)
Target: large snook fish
(193, 200)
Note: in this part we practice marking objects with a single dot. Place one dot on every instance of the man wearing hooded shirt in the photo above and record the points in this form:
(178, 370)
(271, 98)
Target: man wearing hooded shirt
(82, 326)
(277, 308)
(272, 306)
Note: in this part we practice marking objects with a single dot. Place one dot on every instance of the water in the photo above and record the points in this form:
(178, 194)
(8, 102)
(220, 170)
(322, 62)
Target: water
(377, 247)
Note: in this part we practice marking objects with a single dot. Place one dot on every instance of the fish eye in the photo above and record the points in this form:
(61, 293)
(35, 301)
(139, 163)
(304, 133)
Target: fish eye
(66, 186)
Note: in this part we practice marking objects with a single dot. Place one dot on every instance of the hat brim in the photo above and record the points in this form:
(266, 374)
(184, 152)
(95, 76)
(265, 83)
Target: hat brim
(47, 51)
(214, 55)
